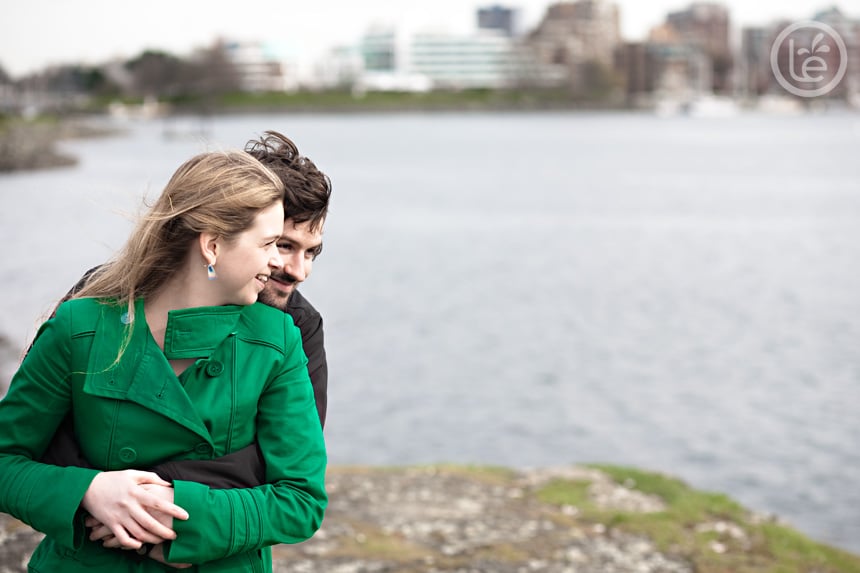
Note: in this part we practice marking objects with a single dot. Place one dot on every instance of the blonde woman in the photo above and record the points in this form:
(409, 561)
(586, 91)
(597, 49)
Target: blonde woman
(165, 355)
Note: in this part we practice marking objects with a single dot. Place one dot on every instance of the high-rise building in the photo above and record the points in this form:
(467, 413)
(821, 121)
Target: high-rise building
(577, 37)
(848, 30)
(706, 26)
(416, 61)
(498, 18)
(756, 76)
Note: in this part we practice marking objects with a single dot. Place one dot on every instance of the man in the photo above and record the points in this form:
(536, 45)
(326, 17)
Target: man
(305, 207)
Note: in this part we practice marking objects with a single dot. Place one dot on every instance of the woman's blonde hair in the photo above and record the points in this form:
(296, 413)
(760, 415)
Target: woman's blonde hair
(217, 192)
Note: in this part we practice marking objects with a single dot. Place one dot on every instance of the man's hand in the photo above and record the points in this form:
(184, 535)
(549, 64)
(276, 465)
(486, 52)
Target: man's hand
(157, 554)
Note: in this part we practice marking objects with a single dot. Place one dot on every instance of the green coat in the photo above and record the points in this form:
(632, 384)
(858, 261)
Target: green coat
(251, 384)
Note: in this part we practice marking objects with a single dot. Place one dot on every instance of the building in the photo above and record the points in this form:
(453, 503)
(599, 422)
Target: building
(756, 76)
(482, 60)
(849, 31)
(395, 59)
(341, 68)
(663, 73)
(499, 18)
(706, 26)
(575, 38)
(258, 67)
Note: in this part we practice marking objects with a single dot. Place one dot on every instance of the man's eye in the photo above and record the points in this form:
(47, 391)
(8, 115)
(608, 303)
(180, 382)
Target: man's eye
(285, 247)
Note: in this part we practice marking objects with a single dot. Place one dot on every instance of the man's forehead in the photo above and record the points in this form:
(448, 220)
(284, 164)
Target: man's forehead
(302, 231)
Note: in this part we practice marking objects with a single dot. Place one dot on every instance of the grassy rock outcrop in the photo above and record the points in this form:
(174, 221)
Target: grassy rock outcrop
(599, 519)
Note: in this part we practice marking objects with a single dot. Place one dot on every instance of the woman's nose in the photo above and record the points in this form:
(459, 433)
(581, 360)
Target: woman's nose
(275, 260)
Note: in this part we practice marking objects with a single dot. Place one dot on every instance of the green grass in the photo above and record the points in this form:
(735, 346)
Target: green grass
(767, 547)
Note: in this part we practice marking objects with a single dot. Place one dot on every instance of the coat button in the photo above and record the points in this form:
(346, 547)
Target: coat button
(214, 368)
(127, 455)
(203, 449)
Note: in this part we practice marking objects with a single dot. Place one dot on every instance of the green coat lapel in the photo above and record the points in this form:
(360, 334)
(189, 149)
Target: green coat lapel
(143, 374)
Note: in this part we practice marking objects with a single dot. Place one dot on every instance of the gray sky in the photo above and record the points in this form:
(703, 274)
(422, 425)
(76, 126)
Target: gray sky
(36, 33)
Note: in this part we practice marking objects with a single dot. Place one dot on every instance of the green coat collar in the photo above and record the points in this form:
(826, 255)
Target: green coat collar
(195, 332)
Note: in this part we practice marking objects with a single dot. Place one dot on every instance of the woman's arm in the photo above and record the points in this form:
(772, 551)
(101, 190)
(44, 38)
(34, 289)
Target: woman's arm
(49, 497)
(38, 399)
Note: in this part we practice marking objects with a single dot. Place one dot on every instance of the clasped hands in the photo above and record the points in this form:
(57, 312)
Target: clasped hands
(130, 508)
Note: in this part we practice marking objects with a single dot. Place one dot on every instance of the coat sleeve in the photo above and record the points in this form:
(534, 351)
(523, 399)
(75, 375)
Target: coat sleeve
(46, 497)
(314, 346)
(310, 322)
(289, 507)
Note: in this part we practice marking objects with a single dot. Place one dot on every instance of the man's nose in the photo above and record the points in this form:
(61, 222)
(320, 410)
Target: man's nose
(295, 265)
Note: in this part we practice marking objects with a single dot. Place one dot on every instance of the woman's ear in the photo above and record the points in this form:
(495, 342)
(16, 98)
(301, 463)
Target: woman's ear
(209, 247)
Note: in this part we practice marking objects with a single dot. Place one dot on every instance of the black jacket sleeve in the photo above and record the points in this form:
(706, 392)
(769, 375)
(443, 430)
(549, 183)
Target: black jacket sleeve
(310, 323)
(243, 468)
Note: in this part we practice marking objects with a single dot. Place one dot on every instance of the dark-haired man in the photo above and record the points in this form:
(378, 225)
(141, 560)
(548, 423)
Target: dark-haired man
(306, 201)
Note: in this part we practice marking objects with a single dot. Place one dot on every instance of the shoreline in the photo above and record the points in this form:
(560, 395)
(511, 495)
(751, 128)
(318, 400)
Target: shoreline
(589, 519)
(32, 145)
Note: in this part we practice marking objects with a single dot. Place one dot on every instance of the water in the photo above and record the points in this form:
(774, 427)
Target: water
(540, 289)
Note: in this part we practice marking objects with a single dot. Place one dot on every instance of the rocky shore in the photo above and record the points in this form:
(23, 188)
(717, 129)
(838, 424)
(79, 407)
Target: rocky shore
(26, 145)
(480, 519)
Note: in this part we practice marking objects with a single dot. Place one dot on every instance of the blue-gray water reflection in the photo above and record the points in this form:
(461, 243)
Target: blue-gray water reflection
(541, 289)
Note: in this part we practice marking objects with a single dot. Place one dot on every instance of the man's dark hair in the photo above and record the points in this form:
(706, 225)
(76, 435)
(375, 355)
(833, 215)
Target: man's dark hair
(307, 188)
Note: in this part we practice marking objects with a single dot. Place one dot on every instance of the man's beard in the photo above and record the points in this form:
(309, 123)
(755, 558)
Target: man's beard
(272, 296)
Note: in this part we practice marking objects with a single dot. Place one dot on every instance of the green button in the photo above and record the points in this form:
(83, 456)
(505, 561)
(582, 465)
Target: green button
(127, 455)
(214, 368)
(203, 449)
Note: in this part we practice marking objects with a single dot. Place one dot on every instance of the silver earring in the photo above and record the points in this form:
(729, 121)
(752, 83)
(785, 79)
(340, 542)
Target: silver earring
(210, 272)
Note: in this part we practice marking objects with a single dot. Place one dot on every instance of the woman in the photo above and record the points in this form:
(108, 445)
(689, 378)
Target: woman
(164, 355)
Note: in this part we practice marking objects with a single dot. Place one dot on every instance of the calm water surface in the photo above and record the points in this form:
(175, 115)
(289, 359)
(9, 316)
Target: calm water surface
(544, 289)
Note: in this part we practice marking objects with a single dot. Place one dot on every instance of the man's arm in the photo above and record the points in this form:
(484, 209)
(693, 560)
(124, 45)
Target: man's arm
(242, 468)
(310, 323)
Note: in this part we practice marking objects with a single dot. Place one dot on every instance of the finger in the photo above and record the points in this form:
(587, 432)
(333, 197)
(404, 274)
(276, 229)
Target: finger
(100, 532)
(91, 521)
(170, 509)
(142, 533)
(151, 500)
(149, 477)
(123, 539)
(148, 529)
(111, 542)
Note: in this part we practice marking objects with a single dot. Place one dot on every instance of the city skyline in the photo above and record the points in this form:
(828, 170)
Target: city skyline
(42, 33)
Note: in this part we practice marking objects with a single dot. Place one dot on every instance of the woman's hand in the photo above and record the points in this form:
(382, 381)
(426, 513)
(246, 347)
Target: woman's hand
(102, 532)
(128, 503)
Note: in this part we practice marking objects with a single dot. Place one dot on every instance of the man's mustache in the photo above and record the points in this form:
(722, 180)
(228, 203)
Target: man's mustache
(284, 278)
